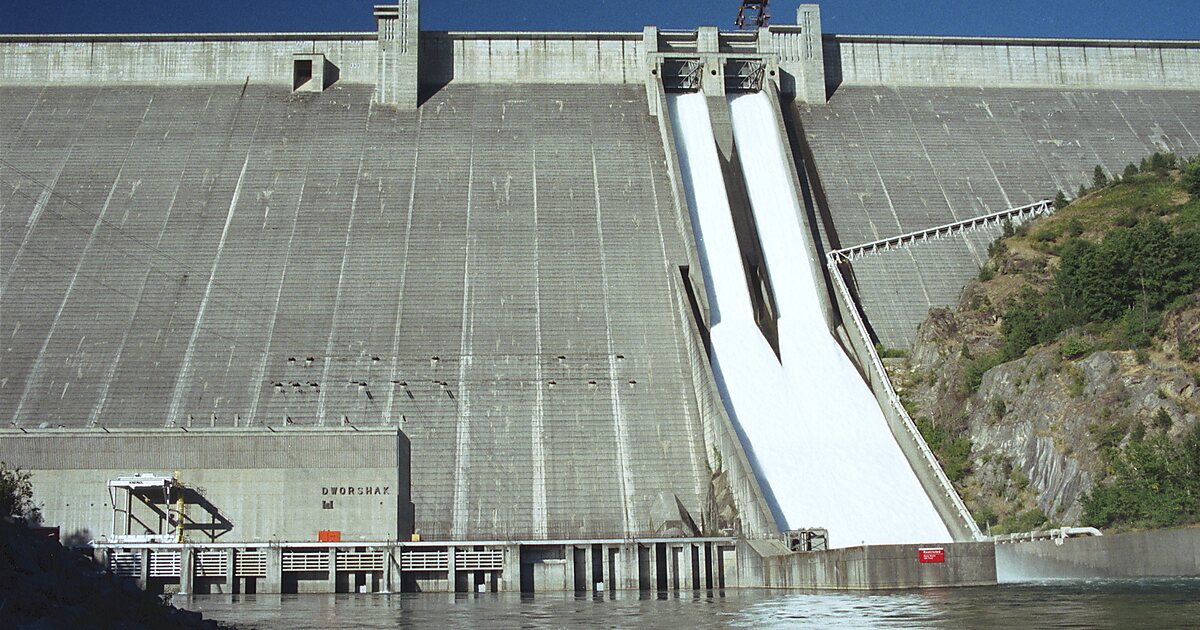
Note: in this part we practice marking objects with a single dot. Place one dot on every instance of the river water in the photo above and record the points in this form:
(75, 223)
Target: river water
(1094, 604)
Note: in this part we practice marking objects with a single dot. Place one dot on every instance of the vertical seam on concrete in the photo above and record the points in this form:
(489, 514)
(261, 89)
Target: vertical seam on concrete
(540, 519)
(625, 474)
(106, 384)
(186, 367)
(337, 300)
(462, 453)
(879, 175)
(266, 353)
(1124, 119)
(692, 422)
(44, 198)
(1034, 148)
(933, 169)
(25, 121)
(40, 361)
(1172, 110)
(412, 197)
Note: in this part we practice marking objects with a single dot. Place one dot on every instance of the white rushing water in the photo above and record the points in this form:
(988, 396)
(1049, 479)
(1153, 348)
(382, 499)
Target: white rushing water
(809, 421)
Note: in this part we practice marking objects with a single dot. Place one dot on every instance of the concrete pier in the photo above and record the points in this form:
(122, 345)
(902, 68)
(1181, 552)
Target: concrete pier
(394, 567)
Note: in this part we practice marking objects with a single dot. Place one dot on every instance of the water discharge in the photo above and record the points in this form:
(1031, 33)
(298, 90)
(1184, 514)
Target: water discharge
(810, 423)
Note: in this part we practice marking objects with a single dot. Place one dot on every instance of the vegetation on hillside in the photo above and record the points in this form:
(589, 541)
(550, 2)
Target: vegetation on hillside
(1103, 273)
(1117, 258)
(1154, 481)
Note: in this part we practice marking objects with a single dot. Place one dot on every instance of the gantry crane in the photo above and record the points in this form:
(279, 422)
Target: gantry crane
(753, 14)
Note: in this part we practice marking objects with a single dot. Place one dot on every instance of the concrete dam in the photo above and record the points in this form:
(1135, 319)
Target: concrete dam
(414, 310)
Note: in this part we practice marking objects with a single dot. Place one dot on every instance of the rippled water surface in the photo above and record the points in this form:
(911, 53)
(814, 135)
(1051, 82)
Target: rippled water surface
(1107, 604)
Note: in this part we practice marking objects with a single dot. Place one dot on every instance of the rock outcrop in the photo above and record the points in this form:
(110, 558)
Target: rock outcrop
(44, 585)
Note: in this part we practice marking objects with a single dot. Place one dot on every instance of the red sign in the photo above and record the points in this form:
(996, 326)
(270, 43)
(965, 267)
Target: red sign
(930, 555)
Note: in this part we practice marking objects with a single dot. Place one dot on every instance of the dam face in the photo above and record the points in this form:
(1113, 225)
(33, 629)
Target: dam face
(561, 298)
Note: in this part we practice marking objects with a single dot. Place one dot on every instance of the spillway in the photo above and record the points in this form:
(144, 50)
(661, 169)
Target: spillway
(816, 435)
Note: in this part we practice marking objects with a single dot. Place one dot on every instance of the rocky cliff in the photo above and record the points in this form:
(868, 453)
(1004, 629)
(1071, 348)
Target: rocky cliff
(1026, 434)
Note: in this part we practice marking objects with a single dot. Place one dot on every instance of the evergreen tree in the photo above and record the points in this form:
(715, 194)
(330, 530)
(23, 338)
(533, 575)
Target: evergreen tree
(1191, 177)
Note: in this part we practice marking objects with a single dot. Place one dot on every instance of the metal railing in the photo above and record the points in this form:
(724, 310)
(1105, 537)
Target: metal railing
(424, 561)
(300, 561)
(165, 564)
(894, 401)
(490, 560)
(834, 260)
(125, 563)
(1020, 214)
(250, 563)
(212, 563)
(361, 561)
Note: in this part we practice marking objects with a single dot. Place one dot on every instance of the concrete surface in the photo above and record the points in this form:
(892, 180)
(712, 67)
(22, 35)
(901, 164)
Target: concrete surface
(891, 160)
(1162, 553)
(882, 567)
(355, 482)
(1010, 62)
(177, 255)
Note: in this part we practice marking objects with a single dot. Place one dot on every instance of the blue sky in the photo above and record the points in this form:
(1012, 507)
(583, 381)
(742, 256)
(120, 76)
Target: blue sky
(1157, 19)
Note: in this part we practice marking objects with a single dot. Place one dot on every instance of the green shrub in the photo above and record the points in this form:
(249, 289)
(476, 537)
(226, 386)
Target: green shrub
(1140, 325)
(1108, 435)
(1131, 171)
(1160, 163)
(1128, 219)
(1045, 236)
(1191, 177)
(1162, 420)
(1077, 383)
(986, 273)
(953, 451)
(1060, 200)
(973, 375)
(1027, 521)
(1153, 482)
(997, 248)
(1099, 177)
(1075, 348)
(16, 495)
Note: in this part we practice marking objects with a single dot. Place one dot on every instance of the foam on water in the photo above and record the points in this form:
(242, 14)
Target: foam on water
(816, 435)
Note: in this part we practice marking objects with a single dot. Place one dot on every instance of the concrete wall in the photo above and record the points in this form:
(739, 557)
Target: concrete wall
(466, 57)
(482, 57)
(997, 62)
(268, 486)
(516, 57)
(801, 62)
(1163, 553)
(179, 59)
(880, 567)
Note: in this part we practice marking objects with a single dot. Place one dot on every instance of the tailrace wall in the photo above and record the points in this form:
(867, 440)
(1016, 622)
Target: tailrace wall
(881, 567)
(1163, 553)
